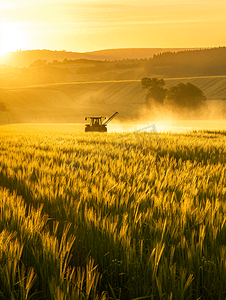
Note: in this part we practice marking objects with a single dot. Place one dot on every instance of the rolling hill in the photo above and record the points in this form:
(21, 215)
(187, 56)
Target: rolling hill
(22, 59)
(205, 62)
(71, 102)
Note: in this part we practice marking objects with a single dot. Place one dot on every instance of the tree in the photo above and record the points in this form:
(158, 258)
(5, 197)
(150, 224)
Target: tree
(185, 95)
(39, 63)
(149, 83)
(4, 110)
(3, 107)
(156, 92)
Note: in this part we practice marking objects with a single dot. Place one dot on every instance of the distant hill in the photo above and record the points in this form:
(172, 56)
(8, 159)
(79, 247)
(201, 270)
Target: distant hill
(205, 62)
(22, 59)
(58, 69)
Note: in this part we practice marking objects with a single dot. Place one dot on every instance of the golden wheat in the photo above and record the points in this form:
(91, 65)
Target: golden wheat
(149, 210)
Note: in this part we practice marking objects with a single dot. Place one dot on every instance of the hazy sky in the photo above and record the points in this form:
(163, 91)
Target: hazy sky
(87, 25)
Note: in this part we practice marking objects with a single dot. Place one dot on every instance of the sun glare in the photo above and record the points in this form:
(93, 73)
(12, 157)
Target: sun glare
(11, 37)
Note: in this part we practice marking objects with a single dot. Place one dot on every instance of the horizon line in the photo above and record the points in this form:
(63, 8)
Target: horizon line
(106, 49)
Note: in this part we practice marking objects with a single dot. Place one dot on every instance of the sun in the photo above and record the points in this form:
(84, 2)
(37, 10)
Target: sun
(12, 37)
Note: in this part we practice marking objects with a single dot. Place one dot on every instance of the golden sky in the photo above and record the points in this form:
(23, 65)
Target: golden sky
(87, 25)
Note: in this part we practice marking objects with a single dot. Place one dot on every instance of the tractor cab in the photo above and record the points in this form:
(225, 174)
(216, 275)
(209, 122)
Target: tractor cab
(96, 123)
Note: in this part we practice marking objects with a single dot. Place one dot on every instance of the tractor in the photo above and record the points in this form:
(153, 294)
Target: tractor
(97, 124)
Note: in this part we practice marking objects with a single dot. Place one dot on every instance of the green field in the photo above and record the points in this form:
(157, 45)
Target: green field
(111, 216)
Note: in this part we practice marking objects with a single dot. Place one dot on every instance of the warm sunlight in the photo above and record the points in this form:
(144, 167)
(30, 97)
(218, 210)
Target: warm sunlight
(88, 25)
(113, 149)
(11, 37)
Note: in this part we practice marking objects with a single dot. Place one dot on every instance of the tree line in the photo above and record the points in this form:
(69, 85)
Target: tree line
(201, 62)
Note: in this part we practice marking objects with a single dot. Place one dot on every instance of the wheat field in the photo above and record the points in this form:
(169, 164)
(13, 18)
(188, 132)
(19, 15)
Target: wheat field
(112, 216)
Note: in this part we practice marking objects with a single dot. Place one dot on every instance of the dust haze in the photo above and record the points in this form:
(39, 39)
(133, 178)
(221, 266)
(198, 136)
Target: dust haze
(210, 116)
